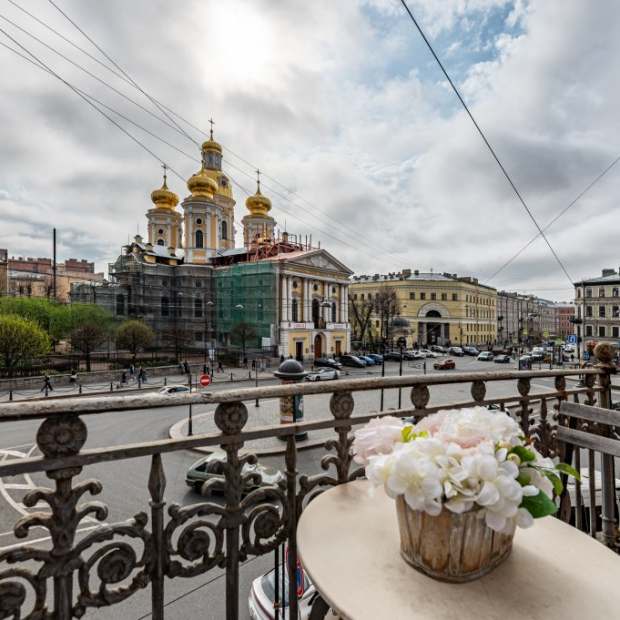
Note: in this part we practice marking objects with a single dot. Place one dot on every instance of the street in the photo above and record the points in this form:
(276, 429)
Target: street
(125, 482)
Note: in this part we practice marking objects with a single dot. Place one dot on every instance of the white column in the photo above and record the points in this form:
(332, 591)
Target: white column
(289, 297)
(283, 298)
(341, 311)
(345, 302)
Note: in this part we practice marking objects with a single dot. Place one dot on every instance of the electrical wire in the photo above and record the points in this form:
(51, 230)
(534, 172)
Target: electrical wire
(556, 218)
(486, 141)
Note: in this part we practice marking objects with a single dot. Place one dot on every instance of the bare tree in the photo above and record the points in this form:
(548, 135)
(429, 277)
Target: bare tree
(362, 311)
(386, 307)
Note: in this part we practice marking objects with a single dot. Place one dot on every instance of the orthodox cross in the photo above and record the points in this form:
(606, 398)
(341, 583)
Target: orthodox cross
(165, 167)
(257, 181)
(211, 122)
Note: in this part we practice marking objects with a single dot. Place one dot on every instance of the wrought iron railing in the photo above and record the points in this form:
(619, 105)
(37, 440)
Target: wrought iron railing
(111, 563)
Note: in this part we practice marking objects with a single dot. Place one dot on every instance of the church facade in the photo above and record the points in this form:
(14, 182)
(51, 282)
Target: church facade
(198, 291)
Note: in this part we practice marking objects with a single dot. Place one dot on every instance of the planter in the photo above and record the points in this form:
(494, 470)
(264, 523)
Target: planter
(450, 547)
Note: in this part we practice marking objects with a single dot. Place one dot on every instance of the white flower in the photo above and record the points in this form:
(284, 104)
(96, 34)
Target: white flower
(377, 437)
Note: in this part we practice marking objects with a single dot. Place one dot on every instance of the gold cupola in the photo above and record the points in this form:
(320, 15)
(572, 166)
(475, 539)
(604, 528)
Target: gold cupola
(258, 204)
(211, 144)
(164, 198)
(201, 184)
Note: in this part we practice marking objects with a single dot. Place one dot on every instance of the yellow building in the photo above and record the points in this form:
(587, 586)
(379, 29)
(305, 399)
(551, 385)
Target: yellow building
(438, 308)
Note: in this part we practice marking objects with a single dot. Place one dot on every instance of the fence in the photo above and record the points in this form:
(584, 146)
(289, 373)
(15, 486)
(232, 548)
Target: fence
(185, 541)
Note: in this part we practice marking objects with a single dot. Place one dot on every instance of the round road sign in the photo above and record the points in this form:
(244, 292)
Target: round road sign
(205, 380)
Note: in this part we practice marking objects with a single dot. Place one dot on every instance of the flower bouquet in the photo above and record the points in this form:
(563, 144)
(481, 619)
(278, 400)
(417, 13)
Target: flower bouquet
(463, 479)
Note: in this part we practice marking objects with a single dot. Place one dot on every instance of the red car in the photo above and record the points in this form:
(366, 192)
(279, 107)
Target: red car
(447, 364)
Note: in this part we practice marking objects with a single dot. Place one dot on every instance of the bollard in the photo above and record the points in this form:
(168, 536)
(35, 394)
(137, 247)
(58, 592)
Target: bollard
(291, 407)
(80, 389)
(111, 387)
(139, 383)
(11, 394)
(165, 381)
(231, 376)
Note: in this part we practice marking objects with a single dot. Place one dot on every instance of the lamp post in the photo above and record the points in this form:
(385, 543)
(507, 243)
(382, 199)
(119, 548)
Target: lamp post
(208, 305)
(241, 307)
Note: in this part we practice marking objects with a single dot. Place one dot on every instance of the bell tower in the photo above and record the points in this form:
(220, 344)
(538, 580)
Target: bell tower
(164, 221)
(258, 225)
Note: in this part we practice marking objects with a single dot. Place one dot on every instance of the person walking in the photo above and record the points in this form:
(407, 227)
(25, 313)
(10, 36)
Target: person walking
(47, 384)
(73, 377)
(220, 368)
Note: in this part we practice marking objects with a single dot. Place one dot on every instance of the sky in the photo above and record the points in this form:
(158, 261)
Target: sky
(360, 139)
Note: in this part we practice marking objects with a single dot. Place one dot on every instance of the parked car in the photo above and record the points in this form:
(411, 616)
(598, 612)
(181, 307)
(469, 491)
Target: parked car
(427, 353)
(471, 351)
(485, 356)
(537, 354)
(353, 361)
(458, 351)
(525, 362)
(375, 356)
(262, 596)
(445, 364)
(323, 374)
(369, 361)
(502, 359)
(414, 355)
(212, 467)
(393, 356)
(437, 349)
(171, 390)
(327, 362)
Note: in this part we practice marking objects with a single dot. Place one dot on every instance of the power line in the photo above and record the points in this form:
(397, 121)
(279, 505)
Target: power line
(487, 143)
(165, 109)
(557, 217)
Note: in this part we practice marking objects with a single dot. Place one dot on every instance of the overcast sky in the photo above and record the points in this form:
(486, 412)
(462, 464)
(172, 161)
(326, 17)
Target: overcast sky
(344, 107)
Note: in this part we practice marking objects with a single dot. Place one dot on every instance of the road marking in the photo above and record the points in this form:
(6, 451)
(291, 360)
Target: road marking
(43, 539)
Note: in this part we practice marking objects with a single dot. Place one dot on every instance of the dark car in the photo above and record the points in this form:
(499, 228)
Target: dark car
(502, 359)
(391, 356)
(438, 349)
(353, 361)
(458, 351)
(327, 362)
(366, 358)
(471, 351)
(375, 356)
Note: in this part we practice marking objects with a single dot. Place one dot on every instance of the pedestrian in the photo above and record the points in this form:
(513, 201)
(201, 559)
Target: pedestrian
(186, 367)
(132, 370)
(73, 377)
(281, 357)
(253, 364)
(220, 368)
(123, 378)
(245, 362)
(47, 385)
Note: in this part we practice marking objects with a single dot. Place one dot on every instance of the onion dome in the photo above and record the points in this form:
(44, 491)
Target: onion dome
(258, 204)
(163, 197)
(201, 184)
(211, 144)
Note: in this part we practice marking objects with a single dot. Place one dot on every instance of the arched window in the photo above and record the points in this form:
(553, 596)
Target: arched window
(165, 306)
(199, 239)
(120, 304)
(160, 242)
(197, 307)
(295, 311)
(316, 312)
(224, 229)
(334, 312)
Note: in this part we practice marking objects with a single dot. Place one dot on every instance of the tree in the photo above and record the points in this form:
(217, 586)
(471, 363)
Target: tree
(362, 311)
(21, 341)
(87, 337)
(134, 336)
(241, 333)
(387, 308)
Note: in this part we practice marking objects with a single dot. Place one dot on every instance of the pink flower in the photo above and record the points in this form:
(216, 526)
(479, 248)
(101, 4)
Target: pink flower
(377, 437)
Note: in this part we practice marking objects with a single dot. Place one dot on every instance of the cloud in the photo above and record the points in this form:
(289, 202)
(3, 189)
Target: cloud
(341, 103)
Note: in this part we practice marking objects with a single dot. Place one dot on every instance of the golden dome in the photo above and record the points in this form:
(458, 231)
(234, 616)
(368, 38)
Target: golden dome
(164, 198)
(211, 145)
(201, 184)
(258, 204)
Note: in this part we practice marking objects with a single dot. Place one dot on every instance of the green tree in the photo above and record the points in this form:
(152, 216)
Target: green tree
(134, 336)
(21, 341)
(241, 333)
(86, 337)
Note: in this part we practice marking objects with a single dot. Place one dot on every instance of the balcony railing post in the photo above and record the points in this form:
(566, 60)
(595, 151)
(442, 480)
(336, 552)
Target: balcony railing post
(291, 490)
(157, 486)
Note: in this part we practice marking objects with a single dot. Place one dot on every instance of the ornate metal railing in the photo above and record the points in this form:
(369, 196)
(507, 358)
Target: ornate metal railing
(112, 562)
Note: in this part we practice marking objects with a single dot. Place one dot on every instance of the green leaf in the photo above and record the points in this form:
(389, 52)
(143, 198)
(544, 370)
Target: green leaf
(523, 453)
(539, 505)
(558, 487)
(565, 468)
(407, 433)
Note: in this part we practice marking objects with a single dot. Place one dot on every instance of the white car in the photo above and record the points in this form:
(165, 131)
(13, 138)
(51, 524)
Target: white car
(428, 353)
(323, 374)
(171, 390)
(262, 596)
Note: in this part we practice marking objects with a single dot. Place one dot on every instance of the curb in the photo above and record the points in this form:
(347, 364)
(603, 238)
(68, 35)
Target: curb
(175, 432)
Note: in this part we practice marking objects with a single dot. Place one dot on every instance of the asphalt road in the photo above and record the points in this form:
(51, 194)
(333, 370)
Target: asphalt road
(125, 483)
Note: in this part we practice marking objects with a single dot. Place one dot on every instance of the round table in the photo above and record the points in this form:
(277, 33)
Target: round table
(348, 542)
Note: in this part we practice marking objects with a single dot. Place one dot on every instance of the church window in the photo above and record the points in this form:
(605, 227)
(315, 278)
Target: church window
(223, 181)
(316, 287)
(224, 229)
(161, 231)
(160, 242)
(165, 306)
(294, 283)
(198, 221)
(199, 239)
(294, 311)
(334, 311)
(333, 290)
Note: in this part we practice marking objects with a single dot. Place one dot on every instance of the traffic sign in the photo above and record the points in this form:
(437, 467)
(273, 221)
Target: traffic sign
(205, 380)
(572, 339)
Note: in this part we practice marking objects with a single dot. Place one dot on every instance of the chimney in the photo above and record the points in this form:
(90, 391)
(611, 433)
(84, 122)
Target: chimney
(416, 272)
(406, 273)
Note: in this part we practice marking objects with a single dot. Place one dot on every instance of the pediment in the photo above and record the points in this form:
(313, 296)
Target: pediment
(323, 260)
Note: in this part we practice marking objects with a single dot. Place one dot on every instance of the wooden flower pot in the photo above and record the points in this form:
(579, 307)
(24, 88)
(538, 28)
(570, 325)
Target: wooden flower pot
(450, 547)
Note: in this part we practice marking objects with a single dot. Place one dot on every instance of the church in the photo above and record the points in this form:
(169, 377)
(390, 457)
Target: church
(188, 281)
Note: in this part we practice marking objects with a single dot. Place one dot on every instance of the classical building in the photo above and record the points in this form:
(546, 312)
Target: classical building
(564, 314)
(526, 319)
(34, 277)
(187, 280)
(430, 308)
(597, 301)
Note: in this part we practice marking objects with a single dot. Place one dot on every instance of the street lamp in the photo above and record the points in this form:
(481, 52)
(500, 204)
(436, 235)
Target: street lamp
(241, 307)
(207, 308)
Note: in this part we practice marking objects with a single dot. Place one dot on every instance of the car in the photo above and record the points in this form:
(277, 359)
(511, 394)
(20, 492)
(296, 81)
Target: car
(327, 362)
(392, 356)
(171, 390)
(471, 351)
(437, 349)
(414, 354)
(353, 361)
(211, 467)
(537, 355)
(485, 356)
(445, 364)
(458, 351)
(428, 353)
(525, 362)
(366, 358)
(323, 374)
(502, 359)
(375, 356)
(262, 596)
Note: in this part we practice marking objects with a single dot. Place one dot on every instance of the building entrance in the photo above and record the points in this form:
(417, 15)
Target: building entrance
(299, 351)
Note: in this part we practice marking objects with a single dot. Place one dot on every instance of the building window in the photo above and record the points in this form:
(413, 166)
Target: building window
(433, 296)
(444, 297)
(588, 310)
(354, 296)
(165, 306)
(376, 323)
(369, 295)
(578, 293)
(198, 307)
(160, 242)
(601, 292)
(615, 312)
(361, 295)
(199, 239)
(316, 288)
(601, 331)
(614, 292)
(294, 311)
(601, 312)
(422, 296)
(199, 221)
(334, 312)
(411, 295)
(316, 312)
(120, 304)
(160, 231)
(588, 330)
(588, 292)
(614, 332)
(224, 229)
(199, 336)
(198, 284)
